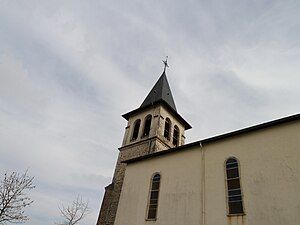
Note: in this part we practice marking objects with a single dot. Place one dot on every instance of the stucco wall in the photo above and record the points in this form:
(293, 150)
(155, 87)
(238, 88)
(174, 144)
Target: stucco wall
(270, 176)
(178, 193)
(270, 180)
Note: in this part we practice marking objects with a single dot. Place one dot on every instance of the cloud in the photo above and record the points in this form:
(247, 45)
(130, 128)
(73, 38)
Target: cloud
(69, 69)
(17, 90)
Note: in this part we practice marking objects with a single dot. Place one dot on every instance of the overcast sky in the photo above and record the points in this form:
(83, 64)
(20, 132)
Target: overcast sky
(70, 69)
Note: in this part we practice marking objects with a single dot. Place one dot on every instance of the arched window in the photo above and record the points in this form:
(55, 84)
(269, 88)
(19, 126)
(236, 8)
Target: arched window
(176, 136)
(153, 198)
(167, 130)
(147, 125)
(234, 194)
(136, 129)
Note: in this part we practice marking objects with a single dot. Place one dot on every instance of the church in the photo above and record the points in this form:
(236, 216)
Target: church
(246, 177)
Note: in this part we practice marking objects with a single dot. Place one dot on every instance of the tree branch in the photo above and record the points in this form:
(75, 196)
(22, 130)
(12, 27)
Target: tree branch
(74, 213)
(13, 198)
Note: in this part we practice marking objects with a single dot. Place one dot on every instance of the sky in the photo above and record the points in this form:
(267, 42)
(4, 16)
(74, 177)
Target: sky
(69, 69)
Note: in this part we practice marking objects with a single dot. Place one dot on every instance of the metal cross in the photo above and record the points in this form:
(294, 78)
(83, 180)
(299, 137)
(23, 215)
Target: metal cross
(166, 63)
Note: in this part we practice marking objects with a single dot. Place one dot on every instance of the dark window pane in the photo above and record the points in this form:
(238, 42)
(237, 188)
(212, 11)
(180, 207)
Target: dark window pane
(237, 198)
(152, 213)
(153, 201)
(235, 207)
(235, 201)
(156, 178)
(154, 195)
(147, 126)
(175, 136)
(166, 134)
(167, 129)
(231, 163)
(136, 130)
(232, 173)
(233, 184)
(154, 206)
(234, 192)
(155, 185)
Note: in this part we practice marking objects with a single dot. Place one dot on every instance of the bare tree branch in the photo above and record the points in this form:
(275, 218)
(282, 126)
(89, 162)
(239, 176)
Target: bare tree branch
(74, 213)
(13, 198)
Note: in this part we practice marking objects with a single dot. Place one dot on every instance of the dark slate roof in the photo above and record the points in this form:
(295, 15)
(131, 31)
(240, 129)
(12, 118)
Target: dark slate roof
(219, 137)
(159, 94)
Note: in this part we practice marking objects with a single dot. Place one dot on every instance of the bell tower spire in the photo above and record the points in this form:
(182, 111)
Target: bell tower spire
(161, 91)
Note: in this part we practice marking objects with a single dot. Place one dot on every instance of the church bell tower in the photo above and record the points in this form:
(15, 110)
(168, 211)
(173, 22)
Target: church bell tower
(154, 126)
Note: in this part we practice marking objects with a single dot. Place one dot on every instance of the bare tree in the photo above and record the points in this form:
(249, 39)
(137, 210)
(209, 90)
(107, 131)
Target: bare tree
(13, 199)
(74, 213)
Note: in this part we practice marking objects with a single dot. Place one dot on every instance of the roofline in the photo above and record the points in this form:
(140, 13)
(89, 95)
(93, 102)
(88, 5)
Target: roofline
(220, 137)
(186, 124)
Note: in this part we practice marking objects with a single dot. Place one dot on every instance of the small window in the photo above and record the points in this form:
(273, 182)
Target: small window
(234, 194)
(147, 126)
(167, 130)
(153, 198)
(176, 136)
(136, 129)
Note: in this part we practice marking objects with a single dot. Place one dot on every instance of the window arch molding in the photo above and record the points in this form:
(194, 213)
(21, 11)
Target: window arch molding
(234, 196)
(153, 196)
(147, 125)
(136, 129)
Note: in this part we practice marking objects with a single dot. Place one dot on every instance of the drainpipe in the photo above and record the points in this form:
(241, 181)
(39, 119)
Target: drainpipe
(203, 183)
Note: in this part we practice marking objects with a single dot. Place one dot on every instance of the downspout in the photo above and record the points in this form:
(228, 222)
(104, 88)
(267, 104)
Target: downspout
(203, 183)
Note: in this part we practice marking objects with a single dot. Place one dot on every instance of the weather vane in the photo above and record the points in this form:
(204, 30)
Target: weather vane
(166, 63)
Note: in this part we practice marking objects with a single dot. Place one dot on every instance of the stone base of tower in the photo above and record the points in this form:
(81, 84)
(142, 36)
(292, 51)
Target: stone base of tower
(102, 219)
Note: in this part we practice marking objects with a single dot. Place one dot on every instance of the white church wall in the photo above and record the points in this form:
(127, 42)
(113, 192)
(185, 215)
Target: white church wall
(179, 194)
(269, 162)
